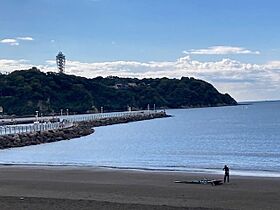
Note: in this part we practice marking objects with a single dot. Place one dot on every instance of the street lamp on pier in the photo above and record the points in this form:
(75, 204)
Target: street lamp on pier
(37, 116)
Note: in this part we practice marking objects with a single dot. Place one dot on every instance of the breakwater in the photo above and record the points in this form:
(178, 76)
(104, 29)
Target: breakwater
(27, 120)
(78, 129)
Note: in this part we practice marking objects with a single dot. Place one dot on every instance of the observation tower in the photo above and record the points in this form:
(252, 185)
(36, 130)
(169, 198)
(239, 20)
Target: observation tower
(60, 62)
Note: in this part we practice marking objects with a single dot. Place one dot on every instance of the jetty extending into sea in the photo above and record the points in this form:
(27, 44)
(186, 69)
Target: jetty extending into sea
(68, 128)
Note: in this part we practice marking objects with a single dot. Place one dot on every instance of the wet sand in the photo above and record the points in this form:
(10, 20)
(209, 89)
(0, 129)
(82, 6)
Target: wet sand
(93, 188)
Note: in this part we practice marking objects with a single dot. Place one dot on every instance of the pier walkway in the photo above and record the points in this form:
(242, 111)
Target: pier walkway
(65, 121)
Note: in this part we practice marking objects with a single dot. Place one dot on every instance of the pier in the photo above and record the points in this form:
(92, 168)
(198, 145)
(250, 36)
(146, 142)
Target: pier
(69, 127)
(27, 125)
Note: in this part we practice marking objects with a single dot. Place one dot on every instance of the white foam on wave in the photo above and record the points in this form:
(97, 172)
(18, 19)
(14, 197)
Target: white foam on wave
(247, 173)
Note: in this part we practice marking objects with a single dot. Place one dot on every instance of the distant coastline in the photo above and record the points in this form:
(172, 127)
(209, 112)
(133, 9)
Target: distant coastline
(261, 101)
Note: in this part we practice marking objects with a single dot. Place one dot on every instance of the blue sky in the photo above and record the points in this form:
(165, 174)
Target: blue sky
(233, 44)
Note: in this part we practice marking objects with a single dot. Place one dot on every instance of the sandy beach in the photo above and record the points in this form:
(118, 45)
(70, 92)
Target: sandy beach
(95, 188)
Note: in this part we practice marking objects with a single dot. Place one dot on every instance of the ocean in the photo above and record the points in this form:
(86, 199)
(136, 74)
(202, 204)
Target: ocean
(245, 137)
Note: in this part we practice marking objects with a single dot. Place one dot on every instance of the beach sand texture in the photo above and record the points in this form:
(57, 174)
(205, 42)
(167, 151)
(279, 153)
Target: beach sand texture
(93, 188)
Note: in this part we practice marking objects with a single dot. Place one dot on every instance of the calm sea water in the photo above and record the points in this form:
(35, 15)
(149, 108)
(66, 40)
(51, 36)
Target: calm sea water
(247, 138)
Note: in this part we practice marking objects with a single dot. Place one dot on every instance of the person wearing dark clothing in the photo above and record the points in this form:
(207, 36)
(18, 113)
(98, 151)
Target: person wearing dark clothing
(226, 177)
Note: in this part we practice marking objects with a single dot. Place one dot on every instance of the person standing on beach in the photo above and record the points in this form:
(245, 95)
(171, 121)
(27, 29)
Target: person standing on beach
(226, 177)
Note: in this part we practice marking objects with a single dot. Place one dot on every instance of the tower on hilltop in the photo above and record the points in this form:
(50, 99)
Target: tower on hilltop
(60, 62)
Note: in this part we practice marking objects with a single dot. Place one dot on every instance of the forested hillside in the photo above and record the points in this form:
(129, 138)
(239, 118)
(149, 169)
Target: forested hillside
(23, 92)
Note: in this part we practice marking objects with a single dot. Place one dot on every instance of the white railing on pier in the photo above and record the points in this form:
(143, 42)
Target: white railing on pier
(17, 129)
(99, 116)
(68, 121)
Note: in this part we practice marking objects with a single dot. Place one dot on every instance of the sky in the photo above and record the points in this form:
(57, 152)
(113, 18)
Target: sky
(233, 44)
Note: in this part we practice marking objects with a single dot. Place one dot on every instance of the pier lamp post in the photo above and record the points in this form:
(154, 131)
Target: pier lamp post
(1, 110)
(154, 107)
(37, 115)
(61, 112)
(67, 112)
(101, 109)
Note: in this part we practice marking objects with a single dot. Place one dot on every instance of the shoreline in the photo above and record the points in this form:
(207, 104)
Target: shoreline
(213, 172)
(72, 188)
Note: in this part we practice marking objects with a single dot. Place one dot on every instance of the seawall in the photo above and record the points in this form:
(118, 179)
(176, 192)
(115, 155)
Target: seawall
(79, 129)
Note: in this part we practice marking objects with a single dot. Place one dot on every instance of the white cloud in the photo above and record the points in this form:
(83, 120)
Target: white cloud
(225, 70)
(9, 65)
(15, 41)
(27, 38)
(221, 50)
(273, 65)
(12, 42)
(8, 41)
(244, 81)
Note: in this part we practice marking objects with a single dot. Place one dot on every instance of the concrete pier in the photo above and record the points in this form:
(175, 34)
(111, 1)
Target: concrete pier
(79, 129)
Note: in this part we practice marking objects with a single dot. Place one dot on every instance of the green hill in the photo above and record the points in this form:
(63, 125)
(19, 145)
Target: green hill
(23, 92)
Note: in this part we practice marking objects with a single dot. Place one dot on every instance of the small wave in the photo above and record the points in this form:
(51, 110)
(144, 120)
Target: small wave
(182, 169)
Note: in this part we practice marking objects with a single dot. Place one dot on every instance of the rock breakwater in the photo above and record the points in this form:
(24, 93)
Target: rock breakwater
(79, 129)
